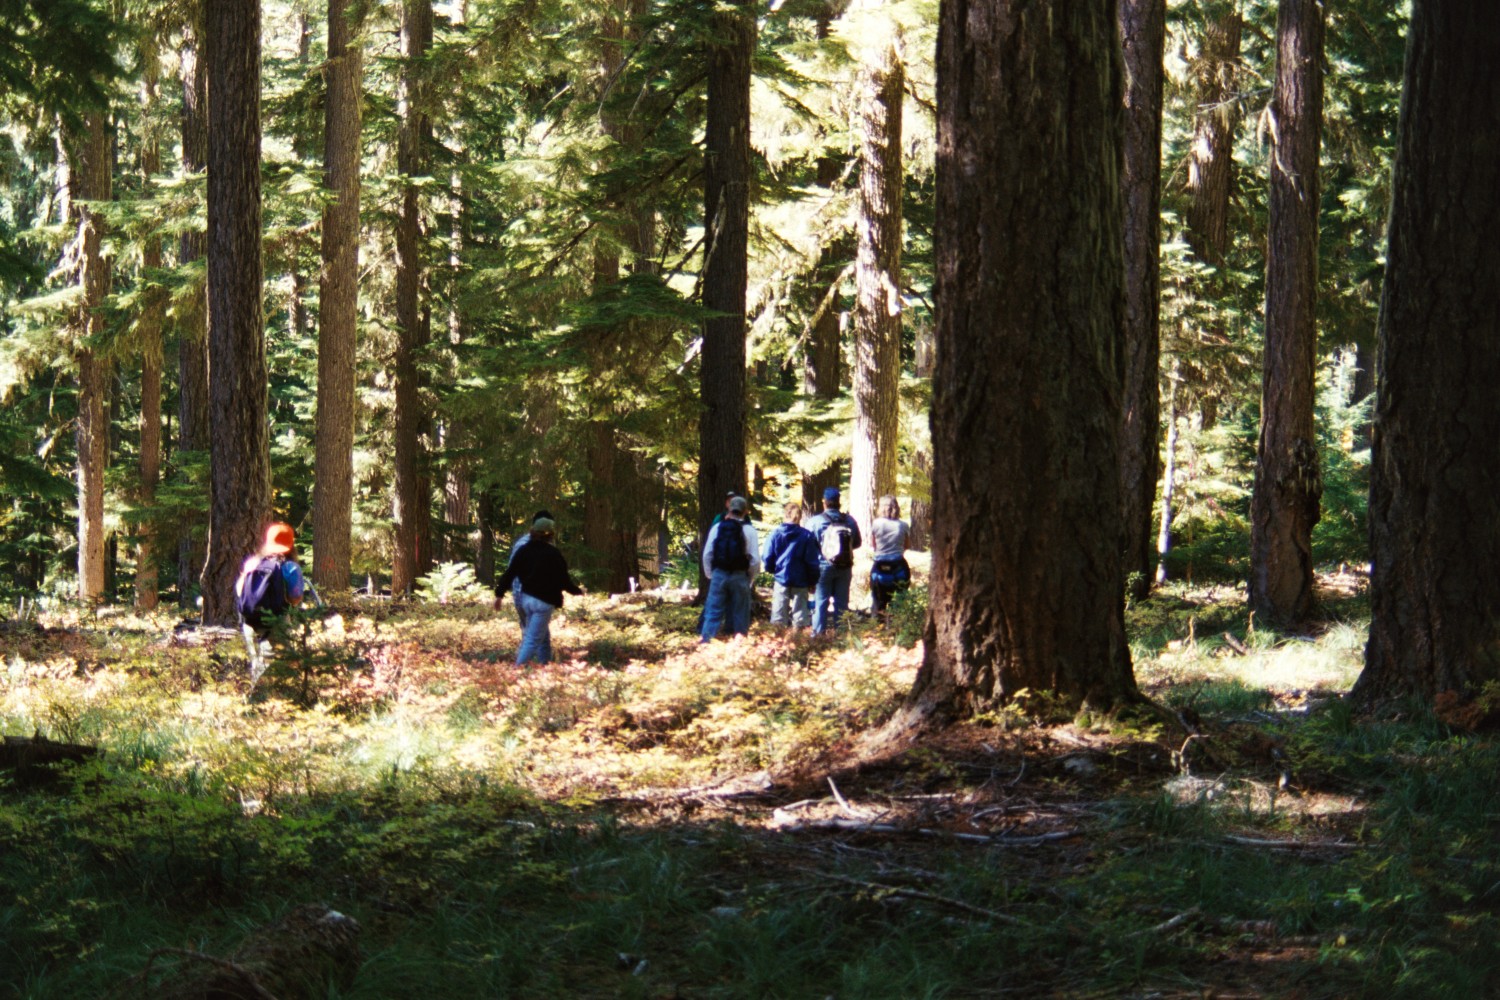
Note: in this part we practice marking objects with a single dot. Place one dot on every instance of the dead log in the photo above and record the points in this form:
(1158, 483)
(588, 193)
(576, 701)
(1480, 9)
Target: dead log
(30, 756)
(295, 958)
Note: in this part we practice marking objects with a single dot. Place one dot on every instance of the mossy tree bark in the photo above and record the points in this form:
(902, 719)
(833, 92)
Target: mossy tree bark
(1027, 589)
(192, 341)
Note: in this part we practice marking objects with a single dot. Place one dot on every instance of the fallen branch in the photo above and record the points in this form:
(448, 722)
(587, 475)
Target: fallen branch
(931, 897)
(1166, 925)
(786, 823)
(1291, 845)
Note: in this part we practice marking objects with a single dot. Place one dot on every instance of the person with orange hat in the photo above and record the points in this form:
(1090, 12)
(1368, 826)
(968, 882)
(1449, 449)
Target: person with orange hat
(269, 583)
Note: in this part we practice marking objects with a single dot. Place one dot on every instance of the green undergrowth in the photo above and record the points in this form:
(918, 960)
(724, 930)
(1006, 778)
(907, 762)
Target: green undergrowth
(544, 833)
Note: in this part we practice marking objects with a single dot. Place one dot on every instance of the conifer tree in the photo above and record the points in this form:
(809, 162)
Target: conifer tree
(240, 480)
(333, 493)
(1026, 587)
(1288, 483)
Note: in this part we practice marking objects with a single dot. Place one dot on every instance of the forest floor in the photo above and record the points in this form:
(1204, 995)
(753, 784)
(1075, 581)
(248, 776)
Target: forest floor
(648, 818)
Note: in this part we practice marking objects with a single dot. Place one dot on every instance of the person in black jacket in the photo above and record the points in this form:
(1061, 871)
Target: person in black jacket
(543, 574)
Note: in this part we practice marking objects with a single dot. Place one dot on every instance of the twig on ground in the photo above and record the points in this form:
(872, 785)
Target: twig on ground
(1166, 925)
(931, 897)
(839, 798)
(1291, 845)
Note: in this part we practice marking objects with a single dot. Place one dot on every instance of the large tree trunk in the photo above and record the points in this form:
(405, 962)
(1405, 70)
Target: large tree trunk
(338, 297)
(1434, 522)
(192, 343)
(721, 379)
(877, 308)
(1143, 27)
(823, 367)
(240, 481)
(89, 162)
(1027, 590)
(152, 319)
(1288, 484)
(413, 517)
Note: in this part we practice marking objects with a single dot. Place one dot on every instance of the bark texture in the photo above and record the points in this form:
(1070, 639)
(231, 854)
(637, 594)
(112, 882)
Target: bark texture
(1288, 482)
(1026, 588)
(412, 503)
(89, 163)
(1143, 25)
(721, 378)
(1434, 521)
(333, 493)
(240, 481)
(823, 368)
(1211, 159)
(877, 307)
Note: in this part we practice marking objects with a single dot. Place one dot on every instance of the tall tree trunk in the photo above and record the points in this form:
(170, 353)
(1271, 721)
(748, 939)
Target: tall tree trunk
(823, 369)
(1168, 478)
(1211, 158)
(921, 460)
(1434, 523)
(412, 500)
(338, 298)
(1288, 483)
(152, 319)
(1027, 589)
(240, 481)
(89, 161)
(721, 380)
(1143, 27)
(877, 307)
(192, 343)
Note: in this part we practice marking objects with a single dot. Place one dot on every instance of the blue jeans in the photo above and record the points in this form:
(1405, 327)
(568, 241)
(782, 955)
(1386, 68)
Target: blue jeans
(833, 584)
(728, 598)
(536, 630)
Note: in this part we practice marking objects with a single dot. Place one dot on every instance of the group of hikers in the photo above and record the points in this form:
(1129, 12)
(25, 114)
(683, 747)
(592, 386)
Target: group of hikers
(811, 564)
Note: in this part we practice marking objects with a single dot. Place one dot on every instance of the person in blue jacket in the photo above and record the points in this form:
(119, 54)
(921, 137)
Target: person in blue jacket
(791, 556)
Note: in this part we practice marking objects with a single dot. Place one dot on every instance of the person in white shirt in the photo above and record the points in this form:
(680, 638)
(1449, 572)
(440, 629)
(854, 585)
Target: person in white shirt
(889, 573)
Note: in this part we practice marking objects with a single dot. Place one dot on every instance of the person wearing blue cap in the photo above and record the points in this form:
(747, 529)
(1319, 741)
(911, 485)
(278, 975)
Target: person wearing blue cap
(838, 536)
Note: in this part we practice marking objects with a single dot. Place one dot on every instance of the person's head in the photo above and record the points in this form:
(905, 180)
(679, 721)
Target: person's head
(738, 506)
(729, 498)
(543, 529)
(831, 498)
(792, 513)
(888, 507)
(279, 539)
(541, 515)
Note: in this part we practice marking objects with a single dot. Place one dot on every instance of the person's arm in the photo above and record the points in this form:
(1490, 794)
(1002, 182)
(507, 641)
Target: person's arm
(502, 585)
(854, 530)
(752, 546)
(708, 549)
(568, 583)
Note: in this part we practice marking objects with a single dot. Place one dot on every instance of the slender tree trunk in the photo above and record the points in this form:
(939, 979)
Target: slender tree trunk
(88, 151)
(1168, 480)
(1434, 495)
(921, 461)
(333, 494)
(152, 319)
(1143, 27)
(1027, 589)
(823, 368)
(412, 500)
(192, 343)
(240, 481)
(1211, 159)
(721, 433)
(1288, 483)
(877, 308)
